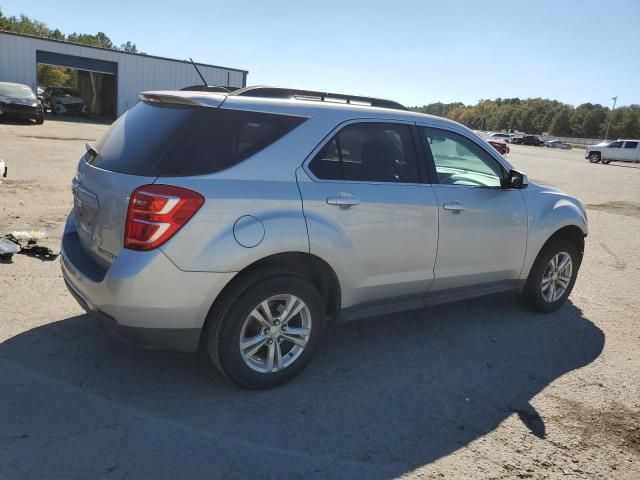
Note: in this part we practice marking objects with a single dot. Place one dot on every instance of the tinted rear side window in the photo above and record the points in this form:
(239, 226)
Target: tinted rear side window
(369, 152)
(168, 140)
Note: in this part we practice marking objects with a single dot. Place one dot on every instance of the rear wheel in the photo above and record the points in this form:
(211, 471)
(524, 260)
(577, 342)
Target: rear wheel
(552, 276)
(594, 157)
(265, 329)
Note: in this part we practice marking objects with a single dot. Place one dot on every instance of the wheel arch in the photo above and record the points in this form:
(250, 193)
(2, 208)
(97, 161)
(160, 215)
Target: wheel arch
(310, 266)
(572, 232)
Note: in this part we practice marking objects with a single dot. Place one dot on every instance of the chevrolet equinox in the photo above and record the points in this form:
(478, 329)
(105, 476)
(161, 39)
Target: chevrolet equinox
(241, 223)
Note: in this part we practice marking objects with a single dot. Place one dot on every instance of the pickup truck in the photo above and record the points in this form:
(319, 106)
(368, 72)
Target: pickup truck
(618, 151)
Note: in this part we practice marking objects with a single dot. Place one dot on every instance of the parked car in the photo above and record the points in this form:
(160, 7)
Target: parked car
(242, 222)
(65, 100)
(619, 151)
(499, 145)
(527, 140)
(18, 102)
(558, 144)
(506, 137)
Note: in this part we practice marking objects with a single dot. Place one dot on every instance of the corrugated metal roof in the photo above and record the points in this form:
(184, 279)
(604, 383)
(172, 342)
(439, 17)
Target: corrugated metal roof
(144, 55)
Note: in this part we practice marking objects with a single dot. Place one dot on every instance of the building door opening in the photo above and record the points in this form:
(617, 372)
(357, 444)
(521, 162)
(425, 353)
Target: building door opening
(77, 86)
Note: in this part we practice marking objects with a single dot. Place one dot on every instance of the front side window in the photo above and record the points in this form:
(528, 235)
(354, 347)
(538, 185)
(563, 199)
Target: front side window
(369, 152)
(630, 144)
(615, 145)
(459, 161)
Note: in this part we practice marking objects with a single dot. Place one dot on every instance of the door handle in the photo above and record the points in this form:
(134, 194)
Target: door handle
(343, 201)
(454, 207)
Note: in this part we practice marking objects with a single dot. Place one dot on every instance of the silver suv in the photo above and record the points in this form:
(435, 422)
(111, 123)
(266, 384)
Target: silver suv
(242, 223)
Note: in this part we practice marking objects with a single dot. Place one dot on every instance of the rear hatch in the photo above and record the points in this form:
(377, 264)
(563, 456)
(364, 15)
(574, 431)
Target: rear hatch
(147, 142)
(168, 134)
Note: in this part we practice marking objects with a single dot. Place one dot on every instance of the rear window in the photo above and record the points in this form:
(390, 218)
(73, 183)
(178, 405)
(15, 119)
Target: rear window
(169, 140)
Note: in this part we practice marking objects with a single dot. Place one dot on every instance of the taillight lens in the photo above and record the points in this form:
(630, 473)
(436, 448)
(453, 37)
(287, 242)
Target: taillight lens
(156, 213)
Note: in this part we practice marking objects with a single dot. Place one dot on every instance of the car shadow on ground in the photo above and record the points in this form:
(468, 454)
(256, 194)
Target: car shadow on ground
(70, 118)
(622, 164)
(381, 398)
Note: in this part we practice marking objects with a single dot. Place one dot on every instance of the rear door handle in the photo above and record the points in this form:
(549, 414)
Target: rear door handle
(454, 207)
(343, 200)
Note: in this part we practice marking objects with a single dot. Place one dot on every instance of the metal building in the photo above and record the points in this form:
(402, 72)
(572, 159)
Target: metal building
(120, 76)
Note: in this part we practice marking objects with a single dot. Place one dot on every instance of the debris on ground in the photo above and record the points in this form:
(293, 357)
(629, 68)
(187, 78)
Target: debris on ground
(8, 247)
(25, 242)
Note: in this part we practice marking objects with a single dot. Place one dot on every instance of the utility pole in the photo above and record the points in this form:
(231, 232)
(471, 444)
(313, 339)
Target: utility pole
(615, 99)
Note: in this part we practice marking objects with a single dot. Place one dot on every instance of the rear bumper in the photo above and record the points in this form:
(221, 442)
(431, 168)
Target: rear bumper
(142, 297)
(179, 339)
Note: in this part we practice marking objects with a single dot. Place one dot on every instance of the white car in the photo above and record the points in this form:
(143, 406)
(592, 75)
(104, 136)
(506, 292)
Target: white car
(558, 144)
(506, 137)
(63, 100)
(621, 150)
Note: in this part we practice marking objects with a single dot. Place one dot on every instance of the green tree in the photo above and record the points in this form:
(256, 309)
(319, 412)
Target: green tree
(129, 47)
(561, 123)
(49, 76)
(592, 121)
(28, 26)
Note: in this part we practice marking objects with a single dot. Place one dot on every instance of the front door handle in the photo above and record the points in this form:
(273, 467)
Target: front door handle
(454, 207)
(343, 200)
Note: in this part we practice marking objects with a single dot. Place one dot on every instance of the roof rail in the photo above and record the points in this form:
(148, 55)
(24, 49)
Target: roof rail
(284, 92)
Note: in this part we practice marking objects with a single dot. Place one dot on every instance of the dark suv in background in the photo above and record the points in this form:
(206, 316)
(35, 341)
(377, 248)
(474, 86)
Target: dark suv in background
(528, 140)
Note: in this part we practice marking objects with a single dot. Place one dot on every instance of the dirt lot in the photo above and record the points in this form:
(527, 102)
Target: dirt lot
(479, 389)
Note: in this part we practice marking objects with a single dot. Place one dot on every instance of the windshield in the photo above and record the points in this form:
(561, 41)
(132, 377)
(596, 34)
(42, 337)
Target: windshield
(16, 91)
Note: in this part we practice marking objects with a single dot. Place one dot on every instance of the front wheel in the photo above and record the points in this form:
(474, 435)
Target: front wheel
(552, 276)
(594, 157)
(266, 329)
(40, 117)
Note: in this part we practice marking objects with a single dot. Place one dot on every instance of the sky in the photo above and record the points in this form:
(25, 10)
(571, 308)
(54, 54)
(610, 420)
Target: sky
(415, 52)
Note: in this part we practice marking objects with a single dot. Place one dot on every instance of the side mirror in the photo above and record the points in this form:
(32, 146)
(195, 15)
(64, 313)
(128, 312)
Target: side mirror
(515, 179)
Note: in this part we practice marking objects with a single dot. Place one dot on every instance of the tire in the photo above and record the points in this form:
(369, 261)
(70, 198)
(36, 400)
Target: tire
(231, 320)
(594, 157)
(534, 294)
(40, 118)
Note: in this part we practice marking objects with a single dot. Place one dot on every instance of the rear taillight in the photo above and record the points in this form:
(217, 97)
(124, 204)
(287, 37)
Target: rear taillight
(156, 213)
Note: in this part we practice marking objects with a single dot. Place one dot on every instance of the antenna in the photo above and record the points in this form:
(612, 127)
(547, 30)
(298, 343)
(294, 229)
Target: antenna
(204, 82)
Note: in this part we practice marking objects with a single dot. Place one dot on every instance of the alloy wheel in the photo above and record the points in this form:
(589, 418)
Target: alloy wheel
(275, 333)
(556, 277)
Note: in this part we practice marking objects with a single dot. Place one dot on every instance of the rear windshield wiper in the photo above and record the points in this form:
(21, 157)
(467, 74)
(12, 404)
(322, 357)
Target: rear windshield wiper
(90, 148)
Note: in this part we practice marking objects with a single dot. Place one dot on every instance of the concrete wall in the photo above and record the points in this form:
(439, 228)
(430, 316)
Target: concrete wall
(136, 73)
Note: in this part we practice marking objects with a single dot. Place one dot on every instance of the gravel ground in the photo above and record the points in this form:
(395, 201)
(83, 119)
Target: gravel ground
(478, 389)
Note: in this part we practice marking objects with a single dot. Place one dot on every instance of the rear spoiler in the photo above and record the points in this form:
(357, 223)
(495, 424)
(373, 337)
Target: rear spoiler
(200, 99)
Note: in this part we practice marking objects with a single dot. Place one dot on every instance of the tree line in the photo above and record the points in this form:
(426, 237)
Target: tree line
(539, 115)
(29, 26)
